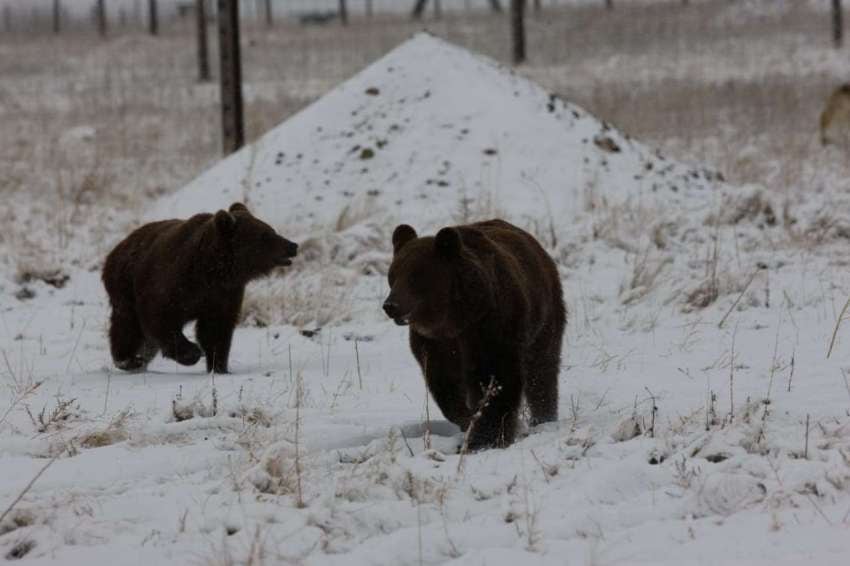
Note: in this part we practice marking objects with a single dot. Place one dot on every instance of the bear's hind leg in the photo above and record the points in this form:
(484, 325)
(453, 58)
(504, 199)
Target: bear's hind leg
(543, 365)
(181, 350)
(168, 335)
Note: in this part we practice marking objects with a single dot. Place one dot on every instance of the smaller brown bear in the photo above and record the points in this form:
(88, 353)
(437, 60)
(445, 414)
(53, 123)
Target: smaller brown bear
(169, 273)
(484, 305)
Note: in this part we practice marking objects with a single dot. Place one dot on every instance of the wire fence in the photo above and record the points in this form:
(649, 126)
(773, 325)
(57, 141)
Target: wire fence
(714, 80)
(34, 16)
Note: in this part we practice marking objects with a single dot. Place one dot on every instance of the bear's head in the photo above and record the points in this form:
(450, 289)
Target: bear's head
(438, 285)
(255, 247)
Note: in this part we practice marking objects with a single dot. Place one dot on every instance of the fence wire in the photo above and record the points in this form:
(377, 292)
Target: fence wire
(707, 80)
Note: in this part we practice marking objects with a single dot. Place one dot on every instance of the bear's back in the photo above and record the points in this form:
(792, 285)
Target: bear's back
(513, 242)
(156, 242)
(520, 261)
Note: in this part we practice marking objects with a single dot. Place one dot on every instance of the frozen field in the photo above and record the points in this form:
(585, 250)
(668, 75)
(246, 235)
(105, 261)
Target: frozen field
(704, 257)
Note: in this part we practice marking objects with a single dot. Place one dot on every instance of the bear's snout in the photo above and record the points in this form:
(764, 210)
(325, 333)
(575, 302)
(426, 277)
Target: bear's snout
(395, 312)
(390, 308)
(291, 248)
(287, 251)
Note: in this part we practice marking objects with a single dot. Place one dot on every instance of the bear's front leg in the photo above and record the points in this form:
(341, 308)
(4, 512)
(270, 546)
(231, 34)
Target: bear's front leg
(496, 406)
(126, 339)
(442, 366)
(214, 330)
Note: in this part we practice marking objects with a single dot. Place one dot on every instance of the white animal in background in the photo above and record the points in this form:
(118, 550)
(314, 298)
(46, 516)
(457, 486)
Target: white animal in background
(835, 118)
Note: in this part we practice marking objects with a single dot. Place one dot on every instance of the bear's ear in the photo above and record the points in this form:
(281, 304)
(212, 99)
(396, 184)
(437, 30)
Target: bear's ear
(401, 235)
(225, 222)
(238, 206)
(448, 242)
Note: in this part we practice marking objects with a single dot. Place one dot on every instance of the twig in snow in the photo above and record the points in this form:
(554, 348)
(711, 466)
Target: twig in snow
(547, 469)
(426, 438)
(710, 411)
(846, 384)
(27, 488)
(837, 324)
(300, 495)
(419, 528)
(453, 551)
(773, 360)
(654, 411)
(766, 288)
(806, 447)
(735, 304)
(290, 364)
(19, 398)
(491, 391)
(357, 357)
(772, 465)
(732, 377)
(601, 400)
(106, 396)
(214, 396)
(406, 443)
(74, 351)
(791, 376)
(533, 536)
(818, 509)
(60, 414)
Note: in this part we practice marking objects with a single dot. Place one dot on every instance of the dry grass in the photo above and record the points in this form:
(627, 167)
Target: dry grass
(737, 92)
(98, 129)
(317, 296)
(115, 431)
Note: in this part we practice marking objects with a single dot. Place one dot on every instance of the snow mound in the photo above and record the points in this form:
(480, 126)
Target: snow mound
(432, 134)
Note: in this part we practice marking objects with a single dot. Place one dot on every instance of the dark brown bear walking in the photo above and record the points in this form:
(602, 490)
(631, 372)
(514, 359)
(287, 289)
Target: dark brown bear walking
(166, 274)
(484, 303)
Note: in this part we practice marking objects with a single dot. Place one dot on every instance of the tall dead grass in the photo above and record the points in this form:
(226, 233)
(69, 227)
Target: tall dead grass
(99, 129)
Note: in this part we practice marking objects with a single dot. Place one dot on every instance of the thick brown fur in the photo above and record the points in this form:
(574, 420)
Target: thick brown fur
(169, 273)
(483, 302)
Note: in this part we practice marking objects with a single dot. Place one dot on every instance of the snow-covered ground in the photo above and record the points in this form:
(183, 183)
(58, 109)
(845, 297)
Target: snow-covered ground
(701, 421)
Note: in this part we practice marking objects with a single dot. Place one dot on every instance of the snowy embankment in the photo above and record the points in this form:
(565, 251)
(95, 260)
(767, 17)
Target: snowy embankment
(700, 419)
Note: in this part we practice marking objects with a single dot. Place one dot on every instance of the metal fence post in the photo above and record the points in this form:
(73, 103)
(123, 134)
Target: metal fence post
(57, 16)
(343, 12)
(518, 30)
(837, 23)
(203, 44)
(153, 17)
(232, 120)
(269, 14)
(100, 16)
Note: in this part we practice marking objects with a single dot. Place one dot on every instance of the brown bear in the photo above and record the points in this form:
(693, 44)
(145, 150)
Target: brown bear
(168, 273)
(484, 305)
